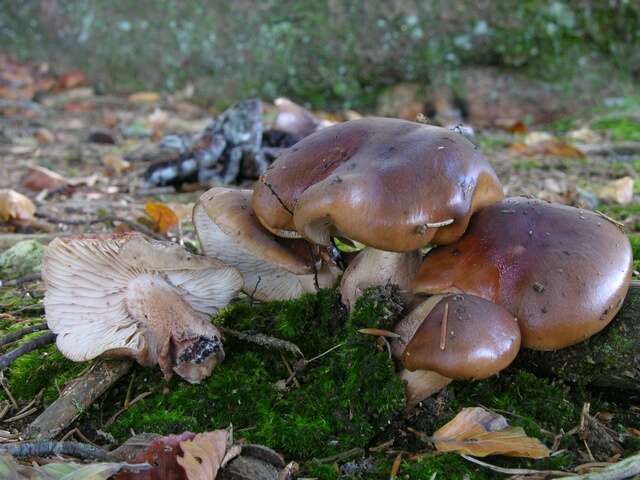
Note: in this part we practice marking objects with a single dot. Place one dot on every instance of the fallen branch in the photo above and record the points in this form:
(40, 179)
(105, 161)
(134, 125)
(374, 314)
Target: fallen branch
(12, 337)
(10, 357)
(76, 398)
(49, 449)
(263, 340)
(16, 282)
(105, 219)
(606, 149)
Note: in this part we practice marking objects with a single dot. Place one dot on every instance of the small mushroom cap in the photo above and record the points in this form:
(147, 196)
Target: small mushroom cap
(273, 268)
(562, 271)
(464, 337)
(127, 295)
(378, 181)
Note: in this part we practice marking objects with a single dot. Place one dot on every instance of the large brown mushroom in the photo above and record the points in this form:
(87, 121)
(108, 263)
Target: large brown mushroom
(125, 295)
(562, 271)
(459, 337)
(272, 268)
(390, 184)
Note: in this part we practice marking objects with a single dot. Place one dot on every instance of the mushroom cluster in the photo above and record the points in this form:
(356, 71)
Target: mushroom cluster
(499, 273)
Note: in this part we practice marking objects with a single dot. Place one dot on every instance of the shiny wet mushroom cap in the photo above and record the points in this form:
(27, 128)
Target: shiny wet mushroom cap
(125, 295)
(462, 337)
(273, 268)
(562, 271)
(390, 184)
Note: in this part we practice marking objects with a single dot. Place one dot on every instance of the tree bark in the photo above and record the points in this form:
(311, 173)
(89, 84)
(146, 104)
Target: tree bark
(609, 359)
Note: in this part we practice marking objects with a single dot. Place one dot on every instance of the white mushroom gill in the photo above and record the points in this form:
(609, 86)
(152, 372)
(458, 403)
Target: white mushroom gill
(124, 295)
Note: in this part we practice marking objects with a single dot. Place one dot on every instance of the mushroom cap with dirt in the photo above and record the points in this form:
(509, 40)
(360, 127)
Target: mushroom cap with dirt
(562, 271)
(273, 268)
(454, 337)
(390, 184)
(128, 296)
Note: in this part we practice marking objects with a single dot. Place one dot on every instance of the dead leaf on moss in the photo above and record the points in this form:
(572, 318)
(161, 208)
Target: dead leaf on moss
(15, 206)
(477, 432)
(164, 219)
(203, 455)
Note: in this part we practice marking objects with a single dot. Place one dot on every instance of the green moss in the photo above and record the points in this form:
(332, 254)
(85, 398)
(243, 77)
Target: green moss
(345, 399)
(531, 402)
(527, 164)
(621, 129)
(443, 466)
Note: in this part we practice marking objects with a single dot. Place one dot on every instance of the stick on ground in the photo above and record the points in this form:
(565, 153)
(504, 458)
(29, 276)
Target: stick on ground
(47, 449)
(10, 357)
(76, 398)
(14, 336)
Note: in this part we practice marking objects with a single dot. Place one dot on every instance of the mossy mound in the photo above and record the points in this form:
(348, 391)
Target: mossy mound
(345, 399)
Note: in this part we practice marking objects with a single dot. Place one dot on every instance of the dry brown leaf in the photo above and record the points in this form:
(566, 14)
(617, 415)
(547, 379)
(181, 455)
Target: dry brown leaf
(115, 162)
(144, 97)
(40, 178)
(164, 219)
(14, 205)
(477, 432)
(72, 79)
(203, 455)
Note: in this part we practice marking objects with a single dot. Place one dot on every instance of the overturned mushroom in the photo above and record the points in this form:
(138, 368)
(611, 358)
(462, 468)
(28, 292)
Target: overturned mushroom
(459, 337)
(389, 184)
(273, 268)
(127, 296)
(562, 271)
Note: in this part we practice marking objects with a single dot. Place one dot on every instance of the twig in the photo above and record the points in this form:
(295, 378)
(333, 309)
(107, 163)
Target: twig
(626, 468)
(5, 387)
(618, 224)
(105, 219)
(49, 449)
(263, 340)
(12, 337)
(515, 471)
(76, 398)
(22, 415)
(126, 407)
(292, 374)
(8, 358)
(16, 282)
(338, 457)
(324, 353)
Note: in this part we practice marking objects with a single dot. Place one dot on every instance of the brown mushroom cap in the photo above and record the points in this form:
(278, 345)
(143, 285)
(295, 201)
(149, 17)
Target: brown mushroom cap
(125, 295)
(463, 337)
(383, 182)
(273, 268)
(562, 271)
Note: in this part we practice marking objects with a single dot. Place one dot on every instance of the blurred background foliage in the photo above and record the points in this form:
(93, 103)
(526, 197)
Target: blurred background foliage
(326, 53)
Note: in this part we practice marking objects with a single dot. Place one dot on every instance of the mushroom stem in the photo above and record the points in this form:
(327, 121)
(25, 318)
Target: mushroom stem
(377, 267)
(181, 339)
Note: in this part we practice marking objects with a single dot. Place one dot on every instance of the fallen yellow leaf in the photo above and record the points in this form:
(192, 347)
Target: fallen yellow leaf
(164, 219)
(15, 206)
(477, 432)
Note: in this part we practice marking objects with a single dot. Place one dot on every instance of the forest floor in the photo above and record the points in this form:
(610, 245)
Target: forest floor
(101, 145)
